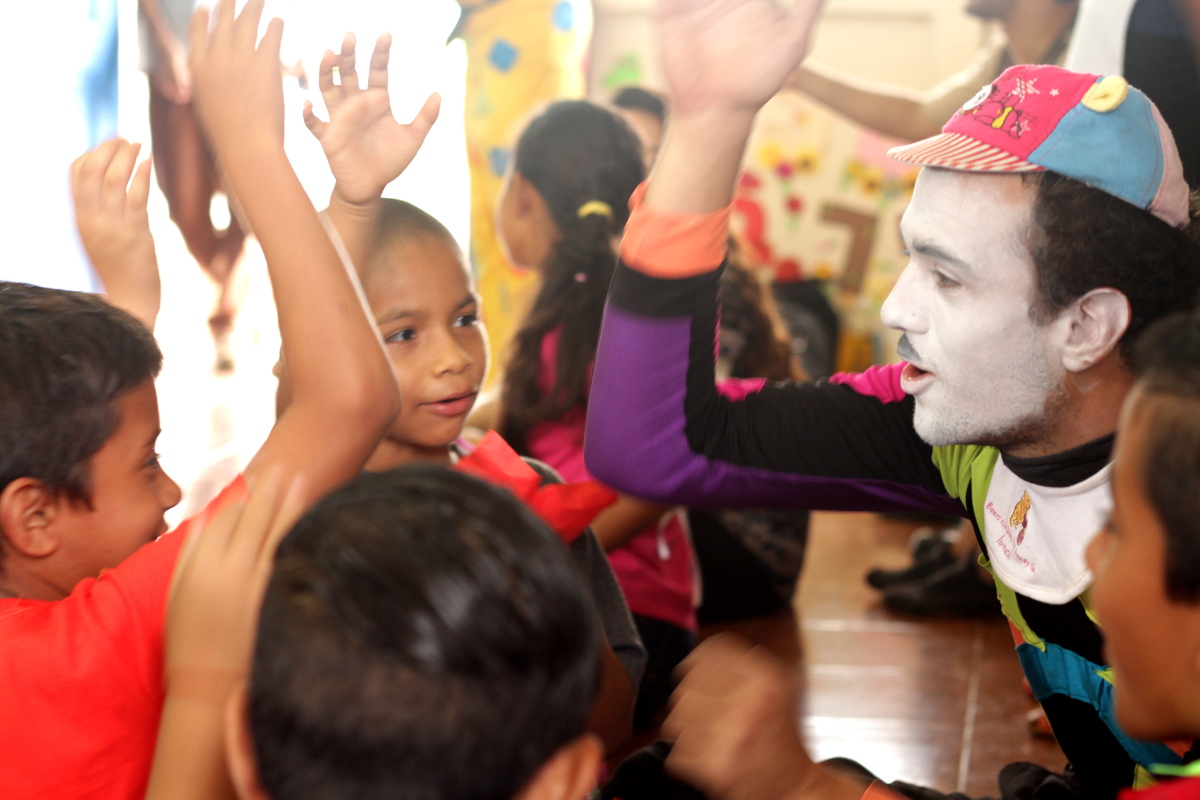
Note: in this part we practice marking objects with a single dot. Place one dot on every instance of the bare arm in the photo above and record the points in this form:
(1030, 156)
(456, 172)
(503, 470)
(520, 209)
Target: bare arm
(891, 110)
(624, 519)
(344, 393)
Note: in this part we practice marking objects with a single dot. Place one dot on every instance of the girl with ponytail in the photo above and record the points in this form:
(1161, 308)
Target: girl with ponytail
(561, 212)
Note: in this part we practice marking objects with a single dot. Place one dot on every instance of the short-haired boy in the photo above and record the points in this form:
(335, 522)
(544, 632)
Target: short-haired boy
(1146, 560)
(423, 635)
(82, 585)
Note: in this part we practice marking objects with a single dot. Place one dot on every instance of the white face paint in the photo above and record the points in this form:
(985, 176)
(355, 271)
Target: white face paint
(981, 370)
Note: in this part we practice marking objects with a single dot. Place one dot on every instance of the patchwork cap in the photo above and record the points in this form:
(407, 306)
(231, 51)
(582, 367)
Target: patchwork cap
(1098, 130)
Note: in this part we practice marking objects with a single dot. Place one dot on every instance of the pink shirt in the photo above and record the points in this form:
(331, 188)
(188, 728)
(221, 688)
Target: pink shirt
(654, 568)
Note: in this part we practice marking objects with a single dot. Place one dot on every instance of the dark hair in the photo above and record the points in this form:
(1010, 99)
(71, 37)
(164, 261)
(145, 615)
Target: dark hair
(1167, 364)
(635, 98)
(753, 335)
(66, 358)
(573, 153)
(400, 222)
(423, 635)
(1083, 238)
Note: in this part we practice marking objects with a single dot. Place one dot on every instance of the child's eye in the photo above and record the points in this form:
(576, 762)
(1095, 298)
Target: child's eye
(153, 461)
(402, 335)
(466, 320)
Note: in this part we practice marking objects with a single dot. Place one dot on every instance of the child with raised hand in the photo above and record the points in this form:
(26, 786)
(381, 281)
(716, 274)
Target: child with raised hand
(83, 585)
(422, 294)
(110, 213)
(567, 198)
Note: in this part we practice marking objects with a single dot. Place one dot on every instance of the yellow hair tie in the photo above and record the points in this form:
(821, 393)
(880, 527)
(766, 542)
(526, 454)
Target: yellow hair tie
(595, 207)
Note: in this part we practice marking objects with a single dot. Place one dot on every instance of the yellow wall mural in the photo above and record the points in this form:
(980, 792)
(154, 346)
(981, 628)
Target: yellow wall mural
(521, 54)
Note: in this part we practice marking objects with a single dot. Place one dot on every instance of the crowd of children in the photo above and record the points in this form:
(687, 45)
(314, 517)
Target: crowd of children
(383, 606)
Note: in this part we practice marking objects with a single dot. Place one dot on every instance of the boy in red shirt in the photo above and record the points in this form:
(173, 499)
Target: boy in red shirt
(81, 492)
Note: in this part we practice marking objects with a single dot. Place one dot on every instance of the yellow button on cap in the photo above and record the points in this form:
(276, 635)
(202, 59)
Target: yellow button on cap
(1107, 94)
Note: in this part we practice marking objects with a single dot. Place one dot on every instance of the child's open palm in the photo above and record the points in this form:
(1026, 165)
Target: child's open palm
(366, 146)
(731, 54)
(110, 212)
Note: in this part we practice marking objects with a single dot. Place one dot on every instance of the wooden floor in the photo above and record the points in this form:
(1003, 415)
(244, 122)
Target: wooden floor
(939, 704)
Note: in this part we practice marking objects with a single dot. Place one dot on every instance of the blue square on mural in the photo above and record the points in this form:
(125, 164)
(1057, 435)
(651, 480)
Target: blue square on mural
(503, 55)
(498, 160)
(564, 16)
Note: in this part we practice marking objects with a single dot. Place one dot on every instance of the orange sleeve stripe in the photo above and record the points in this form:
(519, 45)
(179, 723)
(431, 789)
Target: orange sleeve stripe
(668, 244)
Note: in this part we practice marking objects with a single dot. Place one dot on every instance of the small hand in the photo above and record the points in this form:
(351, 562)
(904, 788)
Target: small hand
(366, 147)
(733, 721)
(237, 88)
(731, 54)
(110, 212)
(218, 587)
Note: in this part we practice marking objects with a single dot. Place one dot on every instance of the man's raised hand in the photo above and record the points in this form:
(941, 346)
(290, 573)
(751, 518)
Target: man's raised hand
(731, 55)
(366, 146)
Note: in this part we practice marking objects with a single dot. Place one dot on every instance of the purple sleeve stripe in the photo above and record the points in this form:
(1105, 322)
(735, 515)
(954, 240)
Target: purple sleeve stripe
(636, 438)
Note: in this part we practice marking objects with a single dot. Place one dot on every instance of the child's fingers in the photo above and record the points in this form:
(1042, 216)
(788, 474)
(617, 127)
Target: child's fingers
(346, 65)
(223, 28)
(331, 93)
(245, 28)
(198, 32)
(315, 124)
(272, 39)
(428, 115)
(256, 520)
(92, 170)
(377, 77)
(207, 538)
(139, 190)
(116, 177)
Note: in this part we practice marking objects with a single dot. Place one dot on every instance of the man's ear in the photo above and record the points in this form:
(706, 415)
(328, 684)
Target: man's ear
(570, 774)
(28, 511)
(1096, 321)
(239, 747)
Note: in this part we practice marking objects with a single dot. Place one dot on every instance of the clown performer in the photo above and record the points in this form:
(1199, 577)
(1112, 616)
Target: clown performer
(1049, 226)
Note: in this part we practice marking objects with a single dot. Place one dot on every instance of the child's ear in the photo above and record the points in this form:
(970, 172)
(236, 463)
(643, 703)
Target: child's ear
(28, 511)
(570, 774)
(239, 748)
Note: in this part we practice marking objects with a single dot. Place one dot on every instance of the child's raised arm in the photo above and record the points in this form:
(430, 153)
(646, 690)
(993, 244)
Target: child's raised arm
(344, 393)
(366, 147)
(110, 213)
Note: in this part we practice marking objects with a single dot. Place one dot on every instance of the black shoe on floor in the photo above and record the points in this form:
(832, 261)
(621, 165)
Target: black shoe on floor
(930, 554)
(953, 591)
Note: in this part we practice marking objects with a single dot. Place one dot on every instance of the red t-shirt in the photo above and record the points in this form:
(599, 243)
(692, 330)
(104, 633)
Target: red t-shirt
(1177, 789)
(81, 687)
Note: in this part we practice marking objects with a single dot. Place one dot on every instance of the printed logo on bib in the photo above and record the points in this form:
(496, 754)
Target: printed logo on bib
(1036, 535)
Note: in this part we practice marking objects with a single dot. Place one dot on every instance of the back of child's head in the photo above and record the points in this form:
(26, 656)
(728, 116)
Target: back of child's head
(635, 98)
(1167, 367)
(585, 162)
(401, 223)
(754, 339)
(66, 358)
(423, 635)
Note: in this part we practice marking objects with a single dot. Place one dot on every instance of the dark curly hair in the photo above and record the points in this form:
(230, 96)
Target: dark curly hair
(1083, 238)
